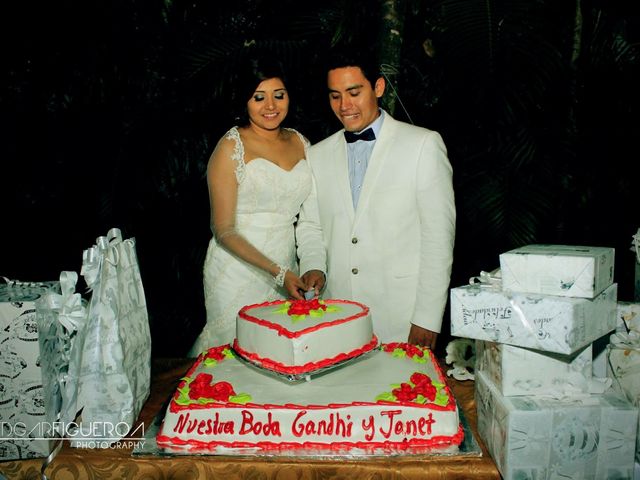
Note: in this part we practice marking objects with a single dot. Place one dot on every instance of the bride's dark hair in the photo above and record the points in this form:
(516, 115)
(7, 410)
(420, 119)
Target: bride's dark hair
(251, 73)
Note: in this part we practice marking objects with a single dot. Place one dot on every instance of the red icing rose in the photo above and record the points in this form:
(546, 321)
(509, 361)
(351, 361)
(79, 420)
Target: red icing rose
(390, 347)
(423, 385)
(427, 390)
(419, 378)
(217, 352)
(198, 387)
(221, 391)
(303, 307)
(201, 387)
(413, 350)
(405, 393)
(410, 350)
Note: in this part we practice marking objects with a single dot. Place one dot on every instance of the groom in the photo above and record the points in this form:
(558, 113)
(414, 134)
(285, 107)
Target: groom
(384, 199)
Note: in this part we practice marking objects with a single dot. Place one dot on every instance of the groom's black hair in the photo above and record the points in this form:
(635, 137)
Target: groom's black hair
(354, 57)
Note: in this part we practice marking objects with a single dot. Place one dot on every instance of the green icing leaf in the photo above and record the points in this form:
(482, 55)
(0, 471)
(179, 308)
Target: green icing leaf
(418, 359)
(283, 308)
(228, 353)
(183, 398)
(438, 385)
(241, 398)
(420, 399)
(387, 397)
(297, 318)
(316, 313)
(398, 353)
(441, 399)
(331, 308)
(210, 362)
(396, 385)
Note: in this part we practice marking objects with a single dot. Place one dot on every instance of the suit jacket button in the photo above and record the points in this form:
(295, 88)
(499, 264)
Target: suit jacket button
(354, 271)
(354, 240)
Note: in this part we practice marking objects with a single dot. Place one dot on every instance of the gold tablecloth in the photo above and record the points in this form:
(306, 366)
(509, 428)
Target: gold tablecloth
(73, 463)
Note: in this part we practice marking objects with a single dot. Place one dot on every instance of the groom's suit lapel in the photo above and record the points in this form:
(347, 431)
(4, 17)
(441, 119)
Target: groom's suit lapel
(376, 162)
(341, 167)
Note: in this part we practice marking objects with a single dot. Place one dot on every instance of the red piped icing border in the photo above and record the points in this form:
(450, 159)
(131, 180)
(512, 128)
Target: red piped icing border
(307, 367)
(413, 445)
(288, 333)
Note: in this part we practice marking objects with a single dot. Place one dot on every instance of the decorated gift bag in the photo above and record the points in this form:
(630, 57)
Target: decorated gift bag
(114, 376)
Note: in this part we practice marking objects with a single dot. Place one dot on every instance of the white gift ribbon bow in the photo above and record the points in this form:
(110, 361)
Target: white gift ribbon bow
(491, 279)
(626, 341)
(93, 257)
(71, 312)
(91, 266)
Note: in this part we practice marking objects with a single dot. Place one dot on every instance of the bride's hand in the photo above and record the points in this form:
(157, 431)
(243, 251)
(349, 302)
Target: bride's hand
(294, 285)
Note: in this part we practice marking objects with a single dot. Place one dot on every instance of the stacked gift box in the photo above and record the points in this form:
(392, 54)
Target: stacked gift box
(541, 412)
(621, 357)
(23, 409)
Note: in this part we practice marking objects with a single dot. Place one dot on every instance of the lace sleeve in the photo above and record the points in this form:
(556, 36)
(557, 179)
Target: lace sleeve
(223, 193)
(238, 153)
(303, 139)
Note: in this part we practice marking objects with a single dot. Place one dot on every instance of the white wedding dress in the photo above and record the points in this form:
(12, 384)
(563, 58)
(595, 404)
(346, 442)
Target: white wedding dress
(269, 199)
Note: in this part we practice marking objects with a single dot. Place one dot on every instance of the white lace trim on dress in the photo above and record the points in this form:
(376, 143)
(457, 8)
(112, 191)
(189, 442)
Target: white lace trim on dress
(238, 153)
(238, 150)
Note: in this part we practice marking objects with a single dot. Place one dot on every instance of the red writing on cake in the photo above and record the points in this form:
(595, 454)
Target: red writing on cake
(369, 426)
(203, 427)
(409, 427)
(250, 425)
(334, 425)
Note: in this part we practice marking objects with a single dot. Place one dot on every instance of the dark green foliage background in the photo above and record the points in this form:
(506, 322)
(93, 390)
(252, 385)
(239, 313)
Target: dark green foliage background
(111, 108)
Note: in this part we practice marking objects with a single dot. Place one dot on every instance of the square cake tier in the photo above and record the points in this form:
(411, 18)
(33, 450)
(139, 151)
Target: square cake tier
(392, 399)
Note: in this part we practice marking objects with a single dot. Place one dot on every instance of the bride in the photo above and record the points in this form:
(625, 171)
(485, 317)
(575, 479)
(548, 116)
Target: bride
(258, 178)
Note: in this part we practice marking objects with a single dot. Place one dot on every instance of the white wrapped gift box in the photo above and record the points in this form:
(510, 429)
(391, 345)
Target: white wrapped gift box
(589, 437)
(543, 322)
(22, 400)
(623, 367)
(523, 371)
(564, 270)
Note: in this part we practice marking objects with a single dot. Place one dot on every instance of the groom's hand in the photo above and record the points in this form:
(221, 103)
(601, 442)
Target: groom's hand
(422, 336)
(314, 279)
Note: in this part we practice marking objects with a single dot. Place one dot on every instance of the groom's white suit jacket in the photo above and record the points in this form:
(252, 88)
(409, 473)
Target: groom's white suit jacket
(394, 251)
